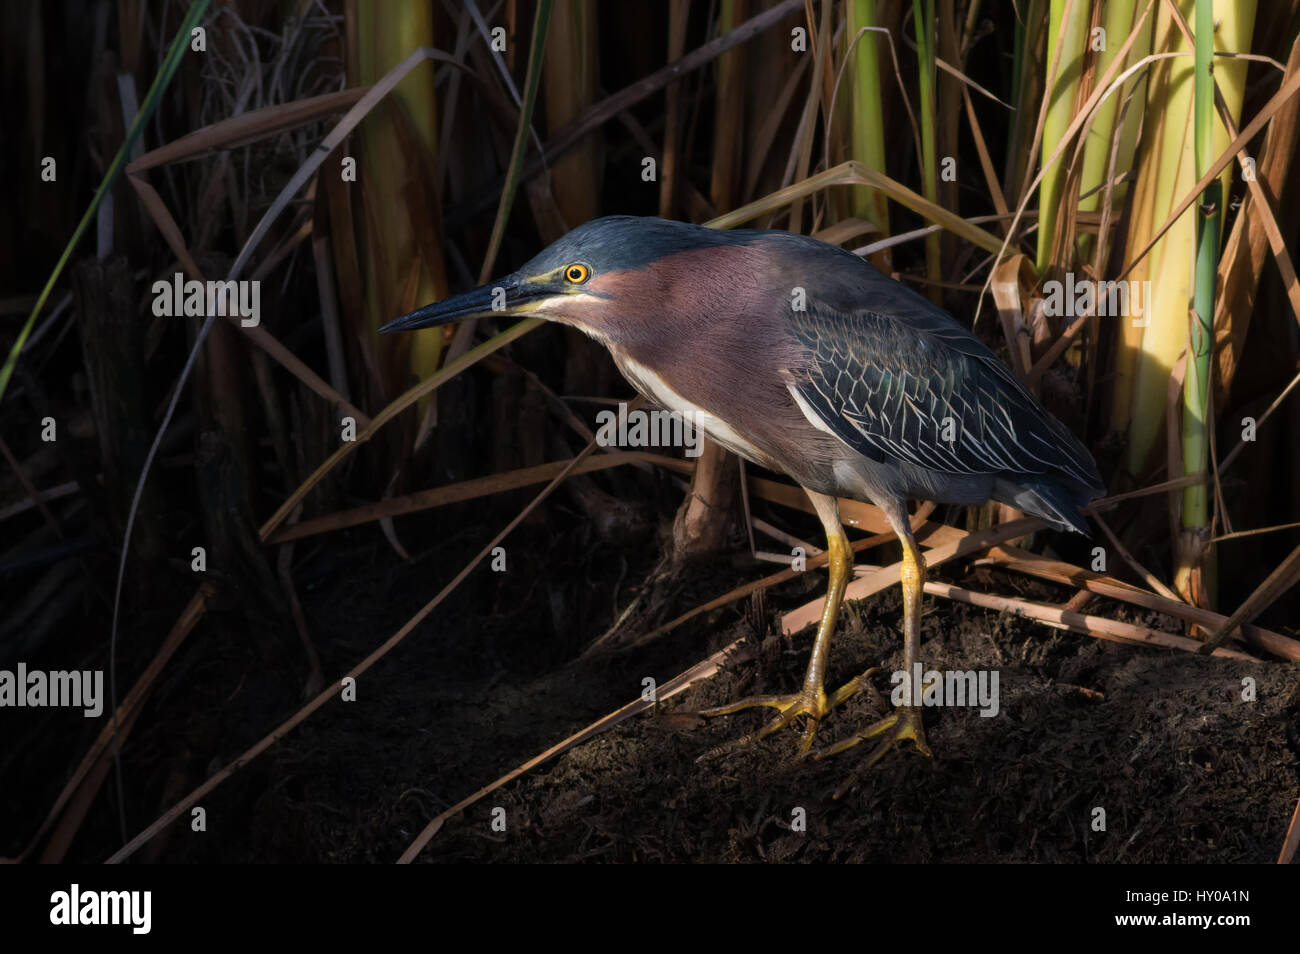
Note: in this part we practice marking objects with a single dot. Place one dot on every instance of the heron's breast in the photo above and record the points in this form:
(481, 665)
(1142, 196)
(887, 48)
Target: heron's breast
(712, 420)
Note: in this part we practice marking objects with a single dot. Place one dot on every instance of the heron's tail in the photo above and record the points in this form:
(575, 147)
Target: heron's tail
(1057, 500)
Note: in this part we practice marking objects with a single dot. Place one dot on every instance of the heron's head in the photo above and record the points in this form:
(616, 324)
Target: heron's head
(598, 277)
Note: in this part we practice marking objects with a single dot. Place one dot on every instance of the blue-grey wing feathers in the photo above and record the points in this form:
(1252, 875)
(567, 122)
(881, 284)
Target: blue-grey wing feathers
(901, 382)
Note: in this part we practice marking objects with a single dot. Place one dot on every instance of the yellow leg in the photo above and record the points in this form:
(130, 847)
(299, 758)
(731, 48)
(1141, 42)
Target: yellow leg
(905, 722)
(811, 700)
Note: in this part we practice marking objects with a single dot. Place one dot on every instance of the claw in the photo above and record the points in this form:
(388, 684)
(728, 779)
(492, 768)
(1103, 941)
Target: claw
(813, 705)
(900, 726)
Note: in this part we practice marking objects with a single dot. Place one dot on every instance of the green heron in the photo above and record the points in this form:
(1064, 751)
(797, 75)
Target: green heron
(803, 358)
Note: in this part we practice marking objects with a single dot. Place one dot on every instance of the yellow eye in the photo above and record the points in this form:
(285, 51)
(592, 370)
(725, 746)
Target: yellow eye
(577, 273)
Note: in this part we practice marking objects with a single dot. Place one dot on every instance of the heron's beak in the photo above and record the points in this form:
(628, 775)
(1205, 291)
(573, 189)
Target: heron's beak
(510, 296)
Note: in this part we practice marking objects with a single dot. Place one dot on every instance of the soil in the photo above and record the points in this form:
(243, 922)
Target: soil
(1162, 741)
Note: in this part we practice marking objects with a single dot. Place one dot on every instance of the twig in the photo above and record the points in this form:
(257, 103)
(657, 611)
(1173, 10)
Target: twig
(705, 669)
(1059, 617)
(1022, 561)
(1283, 577)
(34, 495)
(1292, 841)
(1151, 579)
(331, 691)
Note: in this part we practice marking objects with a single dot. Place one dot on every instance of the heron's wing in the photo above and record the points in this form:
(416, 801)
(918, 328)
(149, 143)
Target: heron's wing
(898, 379)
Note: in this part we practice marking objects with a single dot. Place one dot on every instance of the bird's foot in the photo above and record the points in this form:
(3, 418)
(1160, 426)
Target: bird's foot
(899, 726)
(807, 702)
(813, 705)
